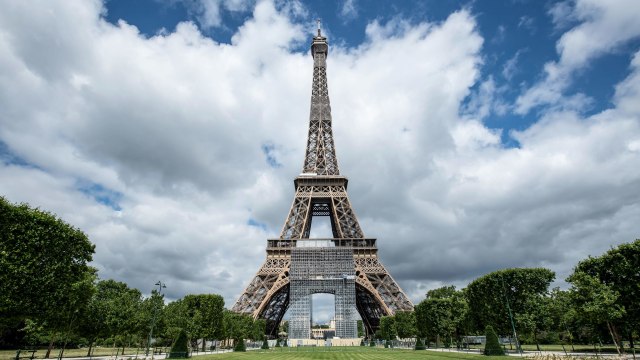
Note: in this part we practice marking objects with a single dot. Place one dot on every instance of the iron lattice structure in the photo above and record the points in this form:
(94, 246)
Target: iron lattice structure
(321, 191)
(322, 268)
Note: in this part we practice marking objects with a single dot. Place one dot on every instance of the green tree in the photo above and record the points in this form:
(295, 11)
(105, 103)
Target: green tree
(618, 270)
(238, 326)
(442, 314)
(489, 295)
(120, 307)
(535, 317)
(175, 318)
(595, 302)
(422, 320)
(204, 313)
(180, 348)
(405, 322)
(388, 327)
(42, 261)
(492, 346)
(151, 317)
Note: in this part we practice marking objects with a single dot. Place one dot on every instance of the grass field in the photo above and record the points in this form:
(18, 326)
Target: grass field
(332, 353)
(346, 353)
(98, 351)
(319, 353)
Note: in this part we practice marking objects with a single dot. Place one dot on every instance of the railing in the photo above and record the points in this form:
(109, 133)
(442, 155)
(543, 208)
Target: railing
(290, 243)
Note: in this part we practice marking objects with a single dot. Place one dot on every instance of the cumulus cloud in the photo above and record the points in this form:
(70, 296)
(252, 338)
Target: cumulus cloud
(176, 153)
(602, 28)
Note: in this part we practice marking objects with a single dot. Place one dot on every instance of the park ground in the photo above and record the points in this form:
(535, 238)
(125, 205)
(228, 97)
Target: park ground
(552, 352)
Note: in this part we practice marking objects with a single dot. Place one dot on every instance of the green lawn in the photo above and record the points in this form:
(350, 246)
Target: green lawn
(345, 353)
(98, 351)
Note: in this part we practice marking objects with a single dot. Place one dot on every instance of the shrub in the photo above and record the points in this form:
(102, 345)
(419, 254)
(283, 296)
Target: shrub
(239, 346)
(180, 350)
(362, 342)
(278, 342)
(372, 342)
(420, 345)
(492, 347)
(265, 344)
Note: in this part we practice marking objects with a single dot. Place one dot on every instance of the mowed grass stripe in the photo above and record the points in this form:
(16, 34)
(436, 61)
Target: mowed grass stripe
(346, 354)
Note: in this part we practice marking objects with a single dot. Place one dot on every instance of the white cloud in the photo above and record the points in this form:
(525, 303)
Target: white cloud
(603, 27)
(208, 12)
(175, 125)
(349, 10)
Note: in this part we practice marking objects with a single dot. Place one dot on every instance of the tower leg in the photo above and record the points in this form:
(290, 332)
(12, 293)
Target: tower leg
(300, 320)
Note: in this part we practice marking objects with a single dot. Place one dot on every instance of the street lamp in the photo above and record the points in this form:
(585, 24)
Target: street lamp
(513, 326)
(160, 286)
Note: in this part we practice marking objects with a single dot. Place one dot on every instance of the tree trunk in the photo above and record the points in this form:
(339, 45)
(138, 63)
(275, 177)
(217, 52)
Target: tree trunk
(615, 343)
(90, 347)
(618, 339)
(46, 356)
(535, 337)
(204, 344)
(631, 345)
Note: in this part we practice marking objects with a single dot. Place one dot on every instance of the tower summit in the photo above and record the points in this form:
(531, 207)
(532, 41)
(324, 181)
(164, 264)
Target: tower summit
(346, 265)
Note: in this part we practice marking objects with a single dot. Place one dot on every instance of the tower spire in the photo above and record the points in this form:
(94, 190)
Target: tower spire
(320, 157)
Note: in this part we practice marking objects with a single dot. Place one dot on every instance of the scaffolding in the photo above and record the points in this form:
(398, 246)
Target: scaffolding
(324, 269)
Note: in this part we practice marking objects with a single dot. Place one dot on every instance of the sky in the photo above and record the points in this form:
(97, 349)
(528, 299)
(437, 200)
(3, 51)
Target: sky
(476, 135)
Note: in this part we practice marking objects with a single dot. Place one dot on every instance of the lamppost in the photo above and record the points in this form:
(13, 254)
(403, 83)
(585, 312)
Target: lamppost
(160, 286)
(513, 326)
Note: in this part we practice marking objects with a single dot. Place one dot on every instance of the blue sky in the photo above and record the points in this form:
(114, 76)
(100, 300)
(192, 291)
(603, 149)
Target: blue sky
(519, 35)
(481, 135)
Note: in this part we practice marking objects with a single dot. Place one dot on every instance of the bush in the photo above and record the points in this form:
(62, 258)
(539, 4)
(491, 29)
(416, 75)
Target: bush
(372, 342)
(265, 344)
(285, 343)
(362, 342)
(420, 345)
(492, 347)
(239, 346)
(180, 350)
(278, 342)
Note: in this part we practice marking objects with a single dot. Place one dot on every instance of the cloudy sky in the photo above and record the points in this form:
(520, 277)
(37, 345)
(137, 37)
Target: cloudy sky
(476, 135)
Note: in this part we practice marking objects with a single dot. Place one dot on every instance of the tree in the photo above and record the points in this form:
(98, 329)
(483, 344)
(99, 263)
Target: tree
(618, 270)
(205, 314)
(175, 318)
(120, 308)
(387, 327)
(422, 320)
(238, 326)
(151, 317)
(405, 323)
(42, 261)
(491, 295)
(180, 349)
(492, 346)
(442, 314)
(595, 302)
(535, 317)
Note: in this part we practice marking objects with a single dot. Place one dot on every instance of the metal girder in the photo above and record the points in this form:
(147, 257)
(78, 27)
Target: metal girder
(321, 191)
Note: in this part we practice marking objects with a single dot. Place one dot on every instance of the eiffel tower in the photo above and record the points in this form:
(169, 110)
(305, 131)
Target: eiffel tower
(321, 191)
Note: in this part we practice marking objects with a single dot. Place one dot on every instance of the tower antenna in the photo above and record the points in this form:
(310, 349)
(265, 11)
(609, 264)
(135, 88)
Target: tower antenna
(318, 22)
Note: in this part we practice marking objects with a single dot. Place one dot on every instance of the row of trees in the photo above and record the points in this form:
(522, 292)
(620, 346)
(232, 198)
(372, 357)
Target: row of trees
(49, 294)
(602, 303)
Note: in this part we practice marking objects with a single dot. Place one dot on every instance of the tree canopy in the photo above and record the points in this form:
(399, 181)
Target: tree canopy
(43, 265)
